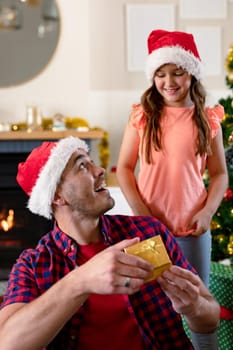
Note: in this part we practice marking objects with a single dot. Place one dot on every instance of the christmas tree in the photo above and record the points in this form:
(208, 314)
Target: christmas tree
(222, 223)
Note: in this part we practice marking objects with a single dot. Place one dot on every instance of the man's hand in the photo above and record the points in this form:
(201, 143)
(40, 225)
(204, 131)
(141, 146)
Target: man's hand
(183, 288)
(191, 298)
(113, 271)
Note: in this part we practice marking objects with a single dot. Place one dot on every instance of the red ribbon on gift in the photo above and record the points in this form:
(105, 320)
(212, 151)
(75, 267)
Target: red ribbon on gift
(225, 313)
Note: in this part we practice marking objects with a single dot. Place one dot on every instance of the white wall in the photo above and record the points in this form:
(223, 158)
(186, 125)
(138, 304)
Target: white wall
(63, 85)
(69, 84)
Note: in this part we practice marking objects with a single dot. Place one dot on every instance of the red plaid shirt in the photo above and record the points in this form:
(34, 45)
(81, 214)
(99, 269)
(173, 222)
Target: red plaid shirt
(38, 269)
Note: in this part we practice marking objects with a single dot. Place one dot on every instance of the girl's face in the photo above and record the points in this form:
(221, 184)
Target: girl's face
(173, 84)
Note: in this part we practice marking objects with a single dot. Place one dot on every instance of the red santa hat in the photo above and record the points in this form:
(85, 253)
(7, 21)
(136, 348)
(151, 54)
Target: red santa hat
(40, 174)
(178, 48)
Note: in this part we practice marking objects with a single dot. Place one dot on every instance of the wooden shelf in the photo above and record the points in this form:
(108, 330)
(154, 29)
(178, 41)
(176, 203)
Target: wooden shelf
(50, 135)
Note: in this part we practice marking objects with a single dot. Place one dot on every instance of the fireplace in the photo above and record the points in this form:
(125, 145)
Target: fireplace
(19, 228)
(24, 228)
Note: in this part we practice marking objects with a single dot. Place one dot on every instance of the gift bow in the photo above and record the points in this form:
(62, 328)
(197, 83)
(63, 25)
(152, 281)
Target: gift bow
(225, 313)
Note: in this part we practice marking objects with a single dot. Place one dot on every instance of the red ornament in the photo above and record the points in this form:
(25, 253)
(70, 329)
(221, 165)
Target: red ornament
(228, 195)
(226, 314)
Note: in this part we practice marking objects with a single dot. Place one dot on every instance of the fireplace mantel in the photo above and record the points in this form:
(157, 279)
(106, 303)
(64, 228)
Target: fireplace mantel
(24, 141)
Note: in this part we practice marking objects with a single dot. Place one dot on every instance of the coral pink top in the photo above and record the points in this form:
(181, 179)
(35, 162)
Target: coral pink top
(172, 185)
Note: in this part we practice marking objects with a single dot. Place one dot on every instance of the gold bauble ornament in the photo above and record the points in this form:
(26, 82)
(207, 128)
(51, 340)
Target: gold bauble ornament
(220, 238)
(229, 59)
(230, 245)
(225, 117)
(214, 225)
(230, 138)
(230, 77)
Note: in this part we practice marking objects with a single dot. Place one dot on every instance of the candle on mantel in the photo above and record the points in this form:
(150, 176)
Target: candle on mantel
(7, 223)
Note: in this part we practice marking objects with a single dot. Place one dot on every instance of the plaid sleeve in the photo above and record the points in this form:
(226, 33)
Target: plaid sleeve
(22, 287)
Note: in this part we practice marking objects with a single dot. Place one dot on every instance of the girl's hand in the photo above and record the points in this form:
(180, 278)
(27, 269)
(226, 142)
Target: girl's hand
(200, 223)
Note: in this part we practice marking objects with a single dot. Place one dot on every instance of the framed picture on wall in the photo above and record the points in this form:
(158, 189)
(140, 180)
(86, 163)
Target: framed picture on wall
(190, 9)
(140, 21)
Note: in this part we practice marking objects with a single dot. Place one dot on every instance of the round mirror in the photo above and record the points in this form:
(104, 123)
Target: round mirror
(29, 34)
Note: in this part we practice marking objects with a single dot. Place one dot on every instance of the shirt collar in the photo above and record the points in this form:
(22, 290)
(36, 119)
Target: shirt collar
(63, 242)
(66, 243)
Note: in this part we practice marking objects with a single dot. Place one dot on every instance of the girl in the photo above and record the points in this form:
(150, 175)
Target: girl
(175, 137)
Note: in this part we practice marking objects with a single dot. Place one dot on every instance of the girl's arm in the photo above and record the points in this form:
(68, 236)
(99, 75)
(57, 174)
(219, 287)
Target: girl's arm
(127, 161)
(217, 169)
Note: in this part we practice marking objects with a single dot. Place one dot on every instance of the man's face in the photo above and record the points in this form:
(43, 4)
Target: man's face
(83, 186)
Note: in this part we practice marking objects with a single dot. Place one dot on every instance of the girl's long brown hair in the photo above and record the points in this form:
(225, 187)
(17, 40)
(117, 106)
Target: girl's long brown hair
(152, 103)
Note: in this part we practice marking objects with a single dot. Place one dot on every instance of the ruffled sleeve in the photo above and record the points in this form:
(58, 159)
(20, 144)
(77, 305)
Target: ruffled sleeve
(137, 117)
(215, 116)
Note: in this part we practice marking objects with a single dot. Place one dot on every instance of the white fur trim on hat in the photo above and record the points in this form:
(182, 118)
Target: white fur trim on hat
(176, 55)
(44, 190)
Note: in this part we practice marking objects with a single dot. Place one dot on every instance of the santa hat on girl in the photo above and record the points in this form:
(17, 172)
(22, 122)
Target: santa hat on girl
(178, 48)
(40, 174)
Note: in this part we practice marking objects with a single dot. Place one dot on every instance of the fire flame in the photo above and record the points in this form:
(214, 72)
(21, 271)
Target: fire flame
(7, 224)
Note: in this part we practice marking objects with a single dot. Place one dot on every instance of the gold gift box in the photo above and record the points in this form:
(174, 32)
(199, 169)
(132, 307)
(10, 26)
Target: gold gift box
(154, 251)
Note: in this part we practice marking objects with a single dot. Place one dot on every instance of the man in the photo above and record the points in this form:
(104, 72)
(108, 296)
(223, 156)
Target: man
(78, 289)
